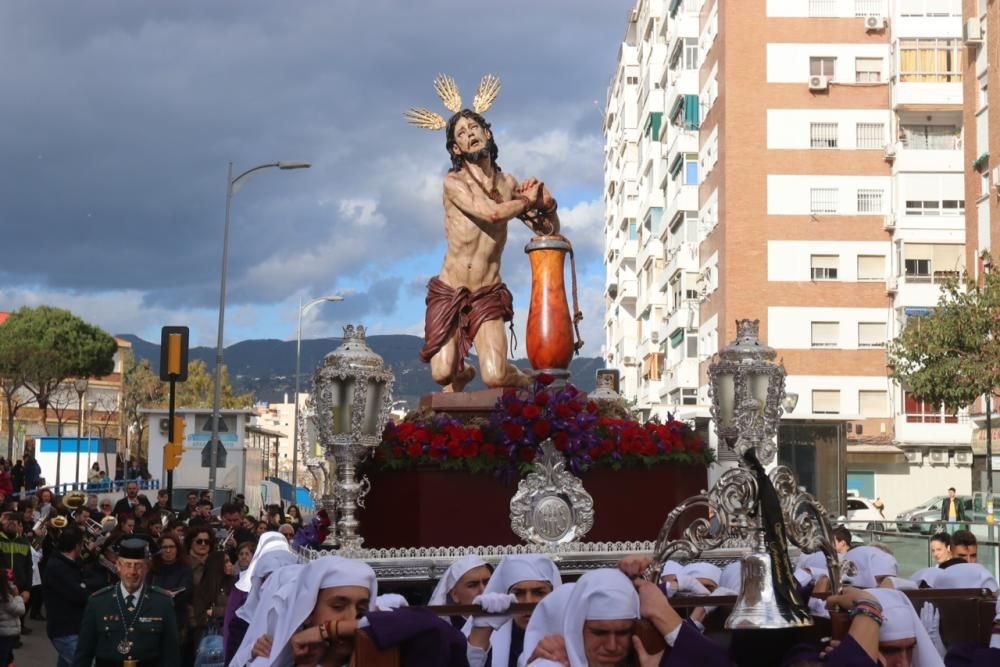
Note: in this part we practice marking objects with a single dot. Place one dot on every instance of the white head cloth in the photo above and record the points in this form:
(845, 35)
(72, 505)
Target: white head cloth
(672, 567)
(928, 575)
(966, 575)
(732, 576)
(268, 542)
(599, 595)
(301, 595)
(700, 570)
(268, 563)
(455, 571)
(815, 559)
(547, 619)
(513, 570)
(872, 562)
(272, 599)
(901, 622)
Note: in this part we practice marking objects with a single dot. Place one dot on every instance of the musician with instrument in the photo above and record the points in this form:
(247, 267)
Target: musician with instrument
(130, 624)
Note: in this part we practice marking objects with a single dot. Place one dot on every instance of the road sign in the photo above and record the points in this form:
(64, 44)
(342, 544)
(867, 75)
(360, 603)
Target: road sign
(223, 426)
(206, 455)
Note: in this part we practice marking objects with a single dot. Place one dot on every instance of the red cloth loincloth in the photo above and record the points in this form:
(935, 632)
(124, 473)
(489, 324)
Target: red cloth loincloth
(460, 312)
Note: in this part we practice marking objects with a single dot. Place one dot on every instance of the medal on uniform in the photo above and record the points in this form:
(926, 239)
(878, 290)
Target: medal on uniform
(124, 647)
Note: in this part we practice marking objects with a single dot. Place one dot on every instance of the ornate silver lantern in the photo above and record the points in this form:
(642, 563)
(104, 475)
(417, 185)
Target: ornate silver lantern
(352, 395)
(764, 512)
(747, 389)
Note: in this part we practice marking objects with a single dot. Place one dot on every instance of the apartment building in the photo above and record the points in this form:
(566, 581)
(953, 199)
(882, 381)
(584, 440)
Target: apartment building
(982, 178)
(810, 168)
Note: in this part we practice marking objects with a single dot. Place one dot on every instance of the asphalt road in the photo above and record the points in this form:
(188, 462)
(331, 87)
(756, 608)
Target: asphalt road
(36, 650)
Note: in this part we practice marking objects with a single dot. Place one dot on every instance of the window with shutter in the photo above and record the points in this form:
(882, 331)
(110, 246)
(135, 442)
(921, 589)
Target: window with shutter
(826, 401)
(871, 334)
(824, 267)
(871, 267)
(825, 334)
(872, 404)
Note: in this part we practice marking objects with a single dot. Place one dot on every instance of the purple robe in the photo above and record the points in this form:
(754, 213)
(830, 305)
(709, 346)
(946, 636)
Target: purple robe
(234, 628)
(848, 654)
(969, 654)
(694, 648)
(424, 639)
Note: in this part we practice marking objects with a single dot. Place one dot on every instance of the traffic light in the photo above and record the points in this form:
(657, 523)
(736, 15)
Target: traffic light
(174, 450)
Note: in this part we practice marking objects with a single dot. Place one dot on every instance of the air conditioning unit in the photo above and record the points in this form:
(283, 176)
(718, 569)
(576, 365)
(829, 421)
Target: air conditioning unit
(963, 458)
(914, 456)
(818, 83)
(628, 361)
(164, 426)
(892, 285)
(889, 152)
(875, 22)
(889, 222)
(655, 336)
(995, 173)
(972, 33)
(939, 457)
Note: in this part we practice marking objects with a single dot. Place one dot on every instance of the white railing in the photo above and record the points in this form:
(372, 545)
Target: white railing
(869, 8)
(822, 8)
(930, 7)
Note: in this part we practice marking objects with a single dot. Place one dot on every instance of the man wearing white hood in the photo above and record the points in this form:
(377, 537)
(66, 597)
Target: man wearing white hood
(235, 624)
(462, 582)
(903, 640)
(519, 578)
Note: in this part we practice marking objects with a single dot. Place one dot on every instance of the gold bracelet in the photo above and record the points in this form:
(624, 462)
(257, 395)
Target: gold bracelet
(336, 630)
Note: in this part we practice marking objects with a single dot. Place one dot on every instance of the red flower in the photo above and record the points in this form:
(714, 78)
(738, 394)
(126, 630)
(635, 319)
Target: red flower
(514, 409)
(414, 451)
(592, 407)
(541, 430)
(471, 451)
(527, 454)
(397, 452)
(542, 399)
(545, 379)
(531, 412)
(563, 411)
(439, 441)
(488, 450)
(561, 440)
(513, 431)
(454, 449)
(422, 435)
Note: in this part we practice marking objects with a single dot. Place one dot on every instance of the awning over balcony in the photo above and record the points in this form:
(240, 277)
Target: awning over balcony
(863, 454)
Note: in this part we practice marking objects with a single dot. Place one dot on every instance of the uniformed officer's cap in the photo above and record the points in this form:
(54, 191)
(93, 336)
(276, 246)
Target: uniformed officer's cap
(136, 547)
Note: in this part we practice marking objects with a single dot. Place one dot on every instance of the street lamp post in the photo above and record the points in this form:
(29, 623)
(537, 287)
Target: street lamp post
(232, 186)
(80, 384)
(298, 359)
(90, 429)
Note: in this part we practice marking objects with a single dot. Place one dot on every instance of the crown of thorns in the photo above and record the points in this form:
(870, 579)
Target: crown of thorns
(447, 90)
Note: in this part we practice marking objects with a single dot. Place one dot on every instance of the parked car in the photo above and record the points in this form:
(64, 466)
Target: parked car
(925, 518)
(864, 509)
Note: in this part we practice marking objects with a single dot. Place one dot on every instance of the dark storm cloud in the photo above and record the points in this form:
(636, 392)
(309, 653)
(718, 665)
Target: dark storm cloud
(120, 118)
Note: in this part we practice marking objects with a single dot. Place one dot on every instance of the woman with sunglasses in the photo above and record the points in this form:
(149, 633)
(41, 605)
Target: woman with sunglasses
(199, 543)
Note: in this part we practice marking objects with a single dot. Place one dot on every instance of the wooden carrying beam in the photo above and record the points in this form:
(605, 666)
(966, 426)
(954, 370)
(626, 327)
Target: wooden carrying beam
(367, 654)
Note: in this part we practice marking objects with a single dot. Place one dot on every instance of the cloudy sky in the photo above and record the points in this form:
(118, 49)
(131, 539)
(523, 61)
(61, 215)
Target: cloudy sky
(119, 119)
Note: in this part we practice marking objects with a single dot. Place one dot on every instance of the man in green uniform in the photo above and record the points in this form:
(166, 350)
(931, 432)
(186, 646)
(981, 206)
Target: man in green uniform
(130, 623)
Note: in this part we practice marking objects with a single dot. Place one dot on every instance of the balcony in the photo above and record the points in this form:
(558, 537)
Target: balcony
(628, 291)
(682, 375)
(922, 94)
(934, 429)
(685, 198)
(918, 291)
(680, 140)
(683, 257)
(911, 159)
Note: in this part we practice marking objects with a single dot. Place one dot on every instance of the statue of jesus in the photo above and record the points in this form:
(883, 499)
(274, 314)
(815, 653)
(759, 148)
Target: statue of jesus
(467, 302)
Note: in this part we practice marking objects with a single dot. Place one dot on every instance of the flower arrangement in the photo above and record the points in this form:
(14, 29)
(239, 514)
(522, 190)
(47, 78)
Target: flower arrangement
(509, 440)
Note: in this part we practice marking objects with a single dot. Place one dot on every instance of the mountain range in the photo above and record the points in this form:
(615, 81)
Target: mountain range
(266, 367)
